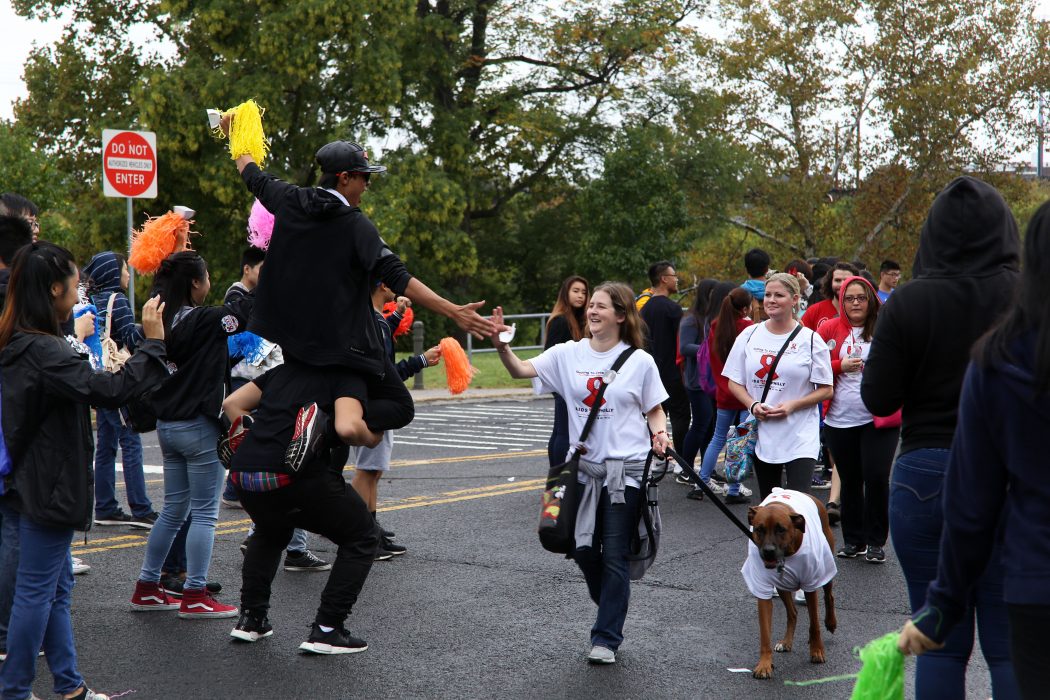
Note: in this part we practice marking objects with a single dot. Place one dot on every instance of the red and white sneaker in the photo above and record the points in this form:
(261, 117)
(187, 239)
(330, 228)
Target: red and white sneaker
(308, 436)
(198, 604)
(150, 596)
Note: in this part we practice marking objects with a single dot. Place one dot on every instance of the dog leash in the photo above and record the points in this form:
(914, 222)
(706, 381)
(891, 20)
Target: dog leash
(693, 476)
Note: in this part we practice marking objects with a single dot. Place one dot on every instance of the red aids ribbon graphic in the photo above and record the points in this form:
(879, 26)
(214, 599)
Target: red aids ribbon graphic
(593, 384)
(767, 362)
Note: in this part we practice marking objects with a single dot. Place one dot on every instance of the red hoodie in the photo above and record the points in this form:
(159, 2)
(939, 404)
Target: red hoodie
(839, 327)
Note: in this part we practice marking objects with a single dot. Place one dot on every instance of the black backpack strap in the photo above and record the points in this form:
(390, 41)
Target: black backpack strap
(773, 367)
(607, 379)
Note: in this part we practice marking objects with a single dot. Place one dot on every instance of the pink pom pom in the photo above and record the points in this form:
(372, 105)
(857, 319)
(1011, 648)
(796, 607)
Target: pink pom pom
(260, 226)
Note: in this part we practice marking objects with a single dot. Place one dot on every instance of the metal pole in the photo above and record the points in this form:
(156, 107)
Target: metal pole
(470, 348)
(131, 270)
(417, 348)
(1039, 153)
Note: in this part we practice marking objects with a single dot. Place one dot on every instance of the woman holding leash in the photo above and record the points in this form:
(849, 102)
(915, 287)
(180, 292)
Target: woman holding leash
(47, 391)
(863, 450)
(788, 412)
(616, 448)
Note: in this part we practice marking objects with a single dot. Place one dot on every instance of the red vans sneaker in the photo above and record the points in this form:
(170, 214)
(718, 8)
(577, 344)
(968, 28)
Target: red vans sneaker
(198, 604)
(150, 596)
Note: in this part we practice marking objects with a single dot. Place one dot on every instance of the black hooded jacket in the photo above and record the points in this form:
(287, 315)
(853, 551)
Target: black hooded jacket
(314, 293)
(47, 389)
(964, 278)
(104, 272)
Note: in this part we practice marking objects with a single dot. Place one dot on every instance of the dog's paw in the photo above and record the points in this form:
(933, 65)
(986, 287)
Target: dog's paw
(831, 623)
(816, 656)
(763, 670)
(782, 646)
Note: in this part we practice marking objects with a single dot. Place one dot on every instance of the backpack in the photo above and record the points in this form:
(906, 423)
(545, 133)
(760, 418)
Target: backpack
(705, 376)
(5, 460)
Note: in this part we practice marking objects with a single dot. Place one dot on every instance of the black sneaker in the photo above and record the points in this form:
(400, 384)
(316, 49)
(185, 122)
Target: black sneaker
(716, 476)
(118, 517)
(736, 499)
(304, 561)
(850, 551)
(244, 545)
(307, 438)
(875, 555)
(383, 555)
(394, 550)
(251, 628)
(338, 641)
(173, 586)
(144, 522)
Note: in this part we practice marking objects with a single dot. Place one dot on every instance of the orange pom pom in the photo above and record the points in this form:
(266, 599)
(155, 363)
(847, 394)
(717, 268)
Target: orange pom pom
(458, 371)
(159, 237)
(406, 321)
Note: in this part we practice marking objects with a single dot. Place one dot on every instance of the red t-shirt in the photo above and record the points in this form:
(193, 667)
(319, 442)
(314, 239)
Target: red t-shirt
(821, 311)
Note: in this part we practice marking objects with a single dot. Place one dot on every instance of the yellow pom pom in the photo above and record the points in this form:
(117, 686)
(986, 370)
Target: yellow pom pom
(246, 132)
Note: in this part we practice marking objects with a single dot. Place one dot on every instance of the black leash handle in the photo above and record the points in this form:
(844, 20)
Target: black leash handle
(695, 478)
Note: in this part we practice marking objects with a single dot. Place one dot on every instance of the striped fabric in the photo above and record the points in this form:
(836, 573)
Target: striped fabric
(260, 482)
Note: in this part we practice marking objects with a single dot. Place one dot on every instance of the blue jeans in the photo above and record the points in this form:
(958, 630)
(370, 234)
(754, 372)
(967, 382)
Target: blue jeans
(604, 566)
(724, 420)
(192, 482)
(8, 565)
(916, 521)
(702, 407)
(40, 616)
(111, 432)
(558, 444)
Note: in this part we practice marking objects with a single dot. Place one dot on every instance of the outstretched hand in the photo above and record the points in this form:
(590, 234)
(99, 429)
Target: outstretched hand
(153, 319)
(467, 318)
(498, 326)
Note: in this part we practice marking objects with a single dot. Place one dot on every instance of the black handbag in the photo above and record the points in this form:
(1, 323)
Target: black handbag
(561, 496)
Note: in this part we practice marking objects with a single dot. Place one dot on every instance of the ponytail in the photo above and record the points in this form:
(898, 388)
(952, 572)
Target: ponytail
(736, 302)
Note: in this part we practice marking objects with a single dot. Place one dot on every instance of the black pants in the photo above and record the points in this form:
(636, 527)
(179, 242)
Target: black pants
(323, 504)
(1028, 625)
(677, 408)
(799, 475)
(558, 445)
(389, 405)
(863, 455)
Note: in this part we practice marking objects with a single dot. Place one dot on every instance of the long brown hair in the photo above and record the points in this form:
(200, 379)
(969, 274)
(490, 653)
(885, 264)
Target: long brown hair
(576, 318)
(873, 308)
(736, 301)
(622, 296)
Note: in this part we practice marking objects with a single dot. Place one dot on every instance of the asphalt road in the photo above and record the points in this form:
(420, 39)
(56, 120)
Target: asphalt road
(476, 609)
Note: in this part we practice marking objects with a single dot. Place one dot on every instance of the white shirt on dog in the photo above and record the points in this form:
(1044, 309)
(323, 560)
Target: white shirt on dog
(812, 566)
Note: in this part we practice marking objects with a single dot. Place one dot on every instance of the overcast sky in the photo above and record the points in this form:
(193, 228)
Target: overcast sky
(18, 36)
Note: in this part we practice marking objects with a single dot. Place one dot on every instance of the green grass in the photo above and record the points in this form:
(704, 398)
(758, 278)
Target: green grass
(491, 372)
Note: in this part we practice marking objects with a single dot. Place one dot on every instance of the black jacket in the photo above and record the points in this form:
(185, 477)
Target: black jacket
(964, 278)
(47, 389)
(199, 359)
(662, 318)
(314, 297)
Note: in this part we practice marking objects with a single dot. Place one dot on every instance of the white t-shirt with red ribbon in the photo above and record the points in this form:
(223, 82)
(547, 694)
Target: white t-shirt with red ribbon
(805, 363)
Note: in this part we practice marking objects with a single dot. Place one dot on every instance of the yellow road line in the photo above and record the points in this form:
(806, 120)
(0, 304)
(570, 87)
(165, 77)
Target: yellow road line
(424, 462)
(230, 527)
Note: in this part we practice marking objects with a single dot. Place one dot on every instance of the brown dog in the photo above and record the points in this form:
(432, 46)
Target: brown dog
(789, 556)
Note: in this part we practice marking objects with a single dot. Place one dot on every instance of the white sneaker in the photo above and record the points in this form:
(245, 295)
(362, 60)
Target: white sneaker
(745, 491)
(716, 488)
(601, 655)
(79, 567)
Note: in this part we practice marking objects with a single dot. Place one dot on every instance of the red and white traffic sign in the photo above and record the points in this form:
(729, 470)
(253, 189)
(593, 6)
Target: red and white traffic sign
(129, 163)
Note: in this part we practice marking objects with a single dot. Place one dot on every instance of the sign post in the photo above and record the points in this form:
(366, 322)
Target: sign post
(129, 169)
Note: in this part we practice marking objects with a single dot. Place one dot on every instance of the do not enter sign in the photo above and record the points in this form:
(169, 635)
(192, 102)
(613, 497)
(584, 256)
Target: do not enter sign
(129, 163)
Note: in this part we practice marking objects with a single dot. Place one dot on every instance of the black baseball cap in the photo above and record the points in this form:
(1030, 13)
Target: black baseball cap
(345, 157)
